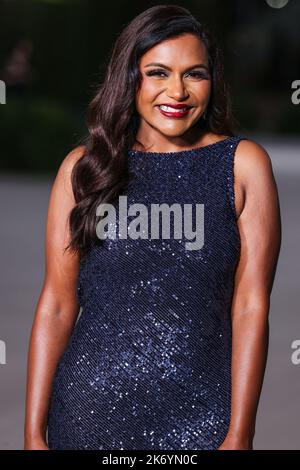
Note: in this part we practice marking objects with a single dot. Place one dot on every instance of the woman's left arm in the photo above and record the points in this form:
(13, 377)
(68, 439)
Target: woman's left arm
(259, 225)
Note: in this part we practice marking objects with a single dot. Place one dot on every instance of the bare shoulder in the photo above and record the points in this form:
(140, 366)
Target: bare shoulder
(251, 151)
(71, 158)
(63, 177)
(75, 154)
(61, 203)
(252, 161)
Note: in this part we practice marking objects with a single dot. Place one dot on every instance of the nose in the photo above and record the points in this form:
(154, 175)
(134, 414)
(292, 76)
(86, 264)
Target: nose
(177, 89)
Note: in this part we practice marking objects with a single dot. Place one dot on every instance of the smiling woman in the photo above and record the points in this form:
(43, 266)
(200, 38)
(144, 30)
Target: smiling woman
(170, 349)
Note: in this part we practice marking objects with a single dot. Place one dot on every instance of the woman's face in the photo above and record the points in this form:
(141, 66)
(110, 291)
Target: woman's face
(173, 72)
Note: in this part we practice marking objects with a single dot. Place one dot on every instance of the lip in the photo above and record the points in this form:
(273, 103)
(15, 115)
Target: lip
(176, 106)
(174, 114)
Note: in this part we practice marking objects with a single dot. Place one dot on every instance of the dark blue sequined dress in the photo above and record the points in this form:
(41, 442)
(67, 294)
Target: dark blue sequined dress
(148, 365)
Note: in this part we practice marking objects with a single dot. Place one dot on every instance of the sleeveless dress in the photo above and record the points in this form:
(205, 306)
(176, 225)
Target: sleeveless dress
(148, 365)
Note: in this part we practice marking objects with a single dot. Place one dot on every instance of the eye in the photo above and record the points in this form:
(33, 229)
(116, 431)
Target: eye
(194, 74)
(199, 74)
(155, 72)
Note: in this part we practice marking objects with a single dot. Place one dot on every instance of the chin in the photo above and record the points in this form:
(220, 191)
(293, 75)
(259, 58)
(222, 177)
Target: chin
(169, 133)
(175, 132)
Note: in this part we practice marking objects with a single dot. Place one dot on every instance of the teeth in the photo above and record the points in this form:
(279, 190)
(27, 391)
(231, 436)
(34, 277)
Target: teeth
(172, 110)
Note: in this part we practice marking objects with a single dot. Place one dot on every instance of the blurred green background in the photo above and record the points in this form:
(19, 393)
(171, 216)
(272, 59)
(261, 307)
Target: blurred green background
(54, 52)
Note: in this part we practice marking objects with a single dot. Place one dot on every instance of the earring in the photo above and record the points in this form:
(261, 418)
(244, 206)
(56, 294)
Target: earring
(204, 115)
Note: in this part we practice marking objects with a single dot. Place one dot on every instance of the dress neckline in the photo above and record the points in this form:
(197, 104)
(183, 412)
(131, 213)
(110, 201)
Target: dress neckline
(181, 152)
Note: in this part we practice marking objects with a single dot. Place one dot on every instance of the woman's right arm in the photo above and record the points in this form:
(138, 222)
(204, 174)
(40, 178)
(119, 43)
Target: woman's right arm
(57, 307)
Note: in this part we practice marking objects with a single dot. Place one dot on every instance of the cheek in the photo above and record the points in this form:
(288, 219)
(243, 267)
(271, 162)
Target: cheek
(148, 91)
(201, 90)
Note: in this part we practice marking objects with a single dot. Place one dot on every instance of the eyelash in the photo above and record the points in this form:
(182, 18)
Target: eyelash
(157, 72)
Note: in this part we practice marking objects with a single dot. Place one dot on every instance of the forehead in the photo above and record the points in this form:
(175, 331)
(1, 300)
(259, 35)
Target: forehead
(179, 51)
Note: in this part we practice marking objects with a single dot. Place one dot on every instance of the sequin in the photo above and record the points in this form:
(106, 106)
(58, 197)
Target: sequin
(148, 365)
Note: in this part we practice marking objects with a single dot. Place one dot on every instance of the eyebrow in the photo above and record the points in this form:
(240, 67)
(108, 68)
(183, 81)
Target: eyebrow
(157, 64)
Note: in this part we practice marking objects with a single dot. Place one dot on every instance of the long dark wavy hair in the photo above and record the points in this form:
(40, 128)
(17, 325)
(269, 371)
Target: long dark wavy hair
(101, 174)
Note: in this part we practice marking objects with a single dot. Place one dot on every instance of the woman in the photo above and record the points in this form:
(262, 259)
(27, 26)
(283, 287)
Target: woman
(170, 348)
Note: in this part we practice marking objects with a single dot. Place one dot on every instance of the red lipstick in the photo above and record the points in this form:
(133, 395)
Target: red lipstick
(167, 109)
